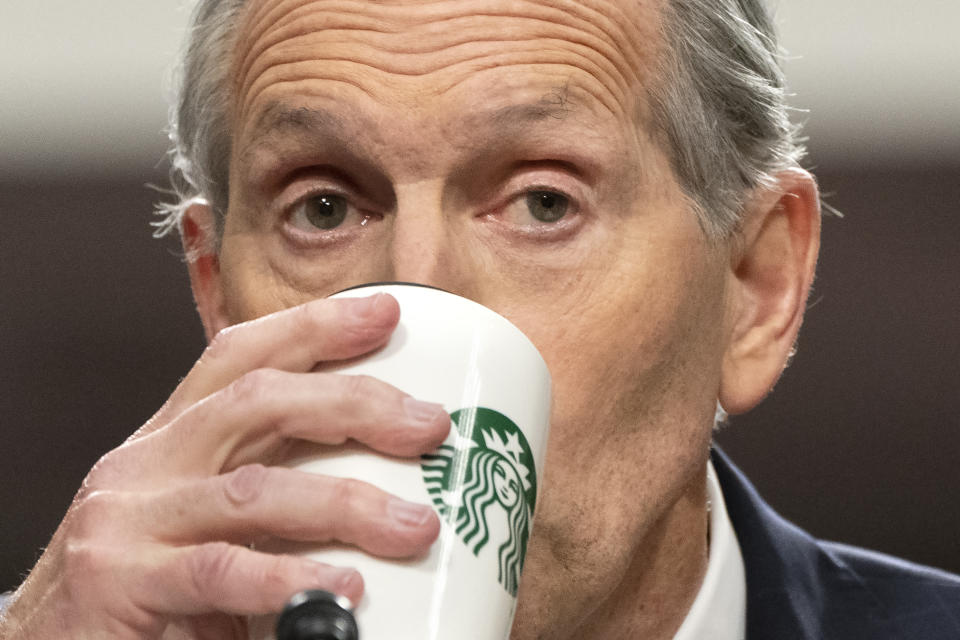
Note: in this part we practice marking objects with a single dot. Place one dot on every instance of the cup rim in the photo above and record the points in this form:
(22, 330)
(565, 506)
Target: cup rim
(390, 283)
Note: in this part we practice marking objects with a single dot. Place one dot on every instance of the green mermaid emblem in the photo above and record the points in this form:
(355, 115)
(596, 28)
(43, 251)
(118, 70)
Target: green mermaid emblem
(489, 467)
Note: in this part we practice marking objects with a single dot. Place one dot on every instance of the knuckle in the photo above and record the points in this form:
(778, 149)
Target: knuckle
(345, 494)
(277, 572)
(209, 566)
(358, 387)
(252, 387)
(103, 473)
(305, 320)
(92, 512)
(85, 563)
(221, 343)
(89, 571)
(245, 485)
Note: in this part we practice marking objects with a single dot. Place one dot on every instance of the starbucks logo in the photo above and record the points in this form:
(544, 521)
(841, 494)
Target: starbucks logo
(485, 486)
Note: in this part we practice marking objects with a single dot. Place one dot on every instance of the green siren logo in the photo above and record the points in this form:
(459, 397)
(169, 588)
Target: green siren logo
(485, 486)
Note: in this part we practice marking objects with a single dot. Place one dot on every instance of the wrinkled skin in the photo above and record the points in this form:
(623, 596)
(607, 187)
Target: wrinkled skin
(429, 125)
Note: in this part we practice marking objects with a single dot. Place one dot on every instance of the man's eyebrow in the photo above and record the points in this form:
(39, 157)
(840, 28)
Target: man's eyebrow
(553, 106)
(282, 121)
(279, 118)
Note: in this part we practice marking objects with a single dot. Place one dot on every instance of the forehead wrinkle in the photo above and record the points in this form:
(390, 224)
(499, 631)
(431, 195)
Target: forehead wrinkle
(550, 66)
(609, 23)
(259, 26)
(616, 23)
(562, 75)
(347, 80)
(613, 92)
(338, 15)
(272, 22)
(458, 30)
(459, 63)
(595, 53)
(282, 23)
(591, 17)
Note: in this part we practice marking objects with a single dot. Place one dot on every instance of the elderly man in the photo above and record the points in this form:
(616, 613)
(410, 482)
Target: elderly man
(617, 177)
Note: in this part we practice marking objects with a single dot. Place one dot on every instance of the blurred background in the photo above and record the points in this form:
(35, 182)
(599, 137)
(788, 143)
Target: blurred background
(860, 442)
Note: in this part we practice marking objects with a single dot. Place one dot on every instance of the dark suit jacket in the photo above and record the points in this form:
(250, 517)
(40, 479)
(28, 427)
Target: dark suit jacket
(802, 588)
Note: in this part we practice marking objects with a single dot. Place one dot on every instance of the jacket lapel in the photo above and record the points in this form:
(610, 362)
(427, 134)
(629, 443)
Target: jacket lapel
(796, 587)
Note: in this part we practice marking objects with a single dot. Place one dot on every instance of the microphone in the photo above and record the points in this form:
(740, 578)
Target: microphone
(317, 615)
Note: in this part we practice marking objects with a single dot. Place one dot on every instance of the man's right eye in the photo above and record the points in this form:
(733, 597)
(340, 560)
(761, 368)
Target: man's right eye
(325, 215)
(322, 211)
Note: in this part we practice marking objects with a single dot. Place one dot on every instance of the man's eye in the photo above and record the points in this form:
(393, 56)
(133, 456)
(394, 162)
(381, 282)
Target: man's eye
(541, 211)
(325, 211)
(547, 206)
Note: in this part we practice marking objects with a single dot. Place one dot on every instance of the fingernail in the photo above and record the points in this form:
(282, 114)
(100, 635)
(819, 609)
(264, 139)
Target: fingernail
(363, 308)
(410, 514)
(422, 413)
(348, 583)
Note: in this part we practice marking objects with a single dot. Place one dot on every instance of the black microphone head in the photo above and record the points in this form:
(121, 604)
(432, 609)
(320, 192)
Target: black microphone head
(317, 615)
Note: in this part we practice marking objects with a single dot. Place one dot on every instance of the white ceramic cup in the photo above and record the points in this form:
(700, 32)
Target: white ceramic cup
(482, 481)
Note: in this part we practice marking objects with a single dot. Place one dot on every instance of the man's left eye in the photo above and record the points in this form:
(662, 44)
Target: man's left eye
(326, 211)
(541, 211)
(547, 206)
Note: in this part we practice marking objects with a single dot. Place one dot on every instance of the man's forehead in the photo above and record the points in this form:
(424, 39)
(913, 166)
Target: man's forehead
(605, 14)
(429, 48)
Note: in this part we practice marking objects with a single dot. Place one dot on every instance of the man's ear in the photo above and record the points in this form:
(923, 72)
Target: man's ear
(771, 273)
(198, 233)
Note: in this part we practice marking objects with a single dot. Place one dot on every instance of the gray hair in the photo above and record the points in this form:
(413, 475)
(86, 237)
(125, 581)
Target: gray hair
(720, 106)
(199, 117)
(719, 109)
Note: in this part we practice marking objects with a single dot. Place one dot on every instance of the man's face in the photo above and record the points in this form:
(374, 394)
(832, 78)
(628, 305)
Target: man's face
(501, 150)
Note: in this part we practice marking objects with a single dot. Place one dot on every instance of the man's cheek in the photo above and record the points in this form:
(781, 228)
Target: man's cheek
(561, 305)
(253, 292)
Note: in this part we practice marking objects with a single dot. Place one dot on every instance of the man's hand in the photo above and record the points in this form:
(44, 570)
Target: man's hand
(157, 540)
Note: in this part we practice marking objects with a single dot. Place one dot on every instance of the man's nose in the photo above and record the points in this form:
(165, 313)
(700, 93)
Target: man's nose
(430, 245)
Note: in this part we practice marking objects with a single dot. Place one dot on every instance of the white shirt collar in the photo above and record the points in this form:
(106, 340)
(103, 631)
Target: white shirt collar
(719, 611)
